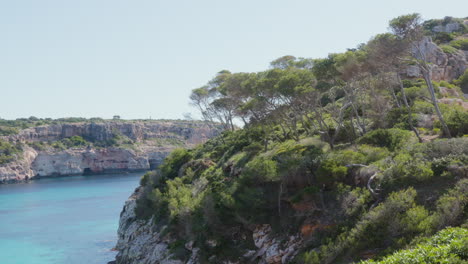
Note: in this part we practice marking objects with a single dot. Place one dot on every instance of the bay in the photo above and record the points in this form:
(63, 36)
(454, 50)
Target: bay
(70, 220)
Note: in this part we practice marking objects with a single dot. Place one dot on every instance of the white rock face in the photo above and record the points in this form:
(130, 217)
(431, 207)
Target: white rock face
(449, 28)
(153, 142)
(444, 66)
(139, 242)
(20, 169)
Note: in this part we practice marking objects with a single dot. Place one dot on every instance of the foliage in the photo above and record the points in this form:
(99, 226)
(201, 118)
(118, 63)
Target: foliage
(456, 118)
(178, 157)
(392, 138)
(261, 169)
(447, 246)
(327, 149)
(330, 171)
(8, 151)
(460, 44)
(6, 131)
(462, 81)
(406, 169)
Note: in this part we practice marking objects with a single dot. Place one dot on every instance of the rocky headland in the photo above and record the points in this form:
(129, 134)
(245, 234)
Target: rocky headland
(135, 146)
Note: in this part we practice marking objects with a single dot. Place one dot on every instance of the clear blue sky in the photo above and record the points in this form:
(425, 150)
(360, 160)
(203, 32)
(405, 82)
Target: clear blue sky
(141, 58)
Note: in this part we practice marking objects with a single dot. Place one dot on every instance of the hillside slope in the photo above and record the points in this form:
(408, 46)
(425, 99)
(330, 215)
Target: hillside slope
(344, 159)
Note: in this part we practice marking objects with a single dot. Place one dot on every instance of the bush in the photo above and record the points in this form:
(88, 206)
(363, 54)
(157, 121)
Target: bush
(462, 81)
(38, 145)
(8, 151)
(173, 162)
(74, 141)
(448, 49)
(423, 107)
(460, 44)
(446, 147)
(451, 206)
(330, 172)
(392, 138)
(457, 121)
(396, 219)
(407, 169)
(448, 246)
(373, 154)
(415, 92)
(6, 131)
(261, 169)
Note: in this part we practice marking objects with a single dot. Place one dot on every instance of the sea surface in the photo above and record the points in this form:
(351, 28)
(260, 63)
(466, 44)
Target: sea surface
(64, 220)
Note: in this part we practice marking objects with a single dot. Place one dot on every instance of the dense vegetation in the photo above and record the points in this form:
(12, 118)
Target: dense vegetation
(344, 150)
(8, 151)
(448, 246)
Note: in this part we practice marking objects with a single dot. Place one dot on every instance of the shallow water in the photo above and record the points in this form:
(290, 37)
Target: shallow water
(63, 220)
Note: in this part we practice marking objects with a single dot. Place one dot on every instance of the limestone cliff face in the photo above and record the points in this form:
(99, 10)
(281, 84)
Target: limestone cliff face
(445, 66)
(140, 241)
(20, 169)
(152, 142)
(192, 132)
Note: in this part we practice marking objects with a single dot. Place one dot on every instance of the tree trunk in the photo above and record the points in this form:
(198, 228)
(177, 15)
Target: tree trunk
(410, 113)
(427, 77)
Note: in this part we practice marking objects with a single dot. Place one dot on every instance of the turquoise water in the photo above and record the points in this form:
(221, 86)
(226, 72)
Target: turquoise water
(62, 220)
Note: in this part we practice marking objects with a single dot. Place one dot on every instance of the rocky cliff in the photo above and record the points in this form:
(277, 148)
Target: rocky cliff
(445, 66)
(146, 242)
(148, 143)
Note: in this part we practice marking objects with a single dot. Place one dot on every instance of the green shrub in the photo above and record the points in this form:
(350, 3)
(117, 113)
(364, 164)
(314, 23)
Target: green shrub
(373, 154)
(446, 147)
(173, 162)
(462, 81)
(440, 165)
(451, 207)
(457, 121)
(392, 138)
(423, 107)
(58, 145)
(38, 145)
(330, 172)
(443, 37)
(448, 49)
(448, 246)
(390, 220)
(261, 169)
(415, 92)
(354, 202)
(348, 156)
(74, 141)
(6, 131)
(407, 169)
(413, 83)
(460, 43)
(8, 151)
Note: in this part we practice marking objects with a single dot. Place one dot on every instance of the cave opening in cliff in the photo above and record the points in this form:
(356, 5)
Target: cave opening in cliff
(87, 171)
(153, 164)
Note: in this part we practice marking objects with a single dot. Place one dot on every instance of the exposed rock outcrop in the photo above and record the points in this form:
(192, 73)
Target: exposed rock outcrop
(192, 132)
(142, 242)
(152, 141)
(20, 169)
(139, 241)
(445, 66)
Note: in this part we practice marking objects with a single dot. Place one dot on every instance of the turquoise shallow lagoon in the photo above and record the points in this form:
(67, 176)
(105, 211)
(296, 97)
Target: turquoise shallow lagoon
(63, 220)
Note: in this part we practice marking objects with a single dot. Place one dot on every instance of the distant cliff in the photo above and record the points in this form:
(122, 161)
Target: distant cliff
(105, 147)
